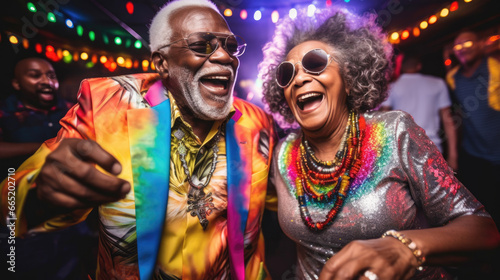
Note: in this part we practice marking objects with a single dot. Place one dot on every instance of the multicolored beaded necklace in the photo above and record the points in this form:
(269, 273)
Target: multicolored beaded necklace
(325, 182)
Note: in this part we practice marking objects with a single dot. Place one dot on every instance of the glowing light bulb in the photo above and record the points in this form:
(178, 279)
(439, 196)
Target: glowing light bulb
(394, 36)
(433, 19)
(243, 14)
(405, 34)
(138, 44)
(31, 7)
(416, 31)
(275, 16)
(130, 7)
(13, 40)
(120, 60)
(79, 30)
(257, 15)
(310, 10)
(51, 17)
(423, 24)
(444, 12)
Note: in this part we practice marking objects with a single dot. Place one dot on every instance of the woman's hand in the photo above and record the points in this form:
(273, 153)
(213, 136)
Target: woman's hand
(387, 258)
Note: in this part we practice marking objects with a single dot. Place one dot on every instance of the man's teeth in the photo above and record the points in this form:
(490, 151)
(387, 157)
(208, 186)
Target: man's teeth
(302, 98)
(223, 78)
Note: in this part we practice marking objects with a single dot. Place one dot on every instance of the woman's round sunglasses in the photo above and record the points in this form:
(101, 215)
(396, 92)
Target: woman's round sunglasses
(206, 43)
(313, 62)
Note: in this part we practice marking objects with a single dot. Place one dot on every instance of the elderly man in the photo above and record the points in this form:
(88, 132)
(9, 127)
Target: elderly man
(177, 167)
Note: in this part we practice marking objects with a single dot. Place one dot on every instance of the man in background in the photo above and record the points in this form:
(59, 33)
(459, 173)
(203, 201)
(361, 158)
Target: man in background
(476, 89)
(426, 98)
(28, 117)
(31, 114)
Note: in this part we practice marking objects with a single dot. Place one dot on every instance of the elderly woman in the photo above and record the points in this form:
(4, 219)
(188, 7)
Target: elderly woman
(364, 194)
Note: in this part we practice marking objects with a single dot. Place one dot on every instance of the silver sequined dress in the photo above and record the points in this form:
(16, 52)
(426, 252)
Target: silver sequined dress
(404, 183)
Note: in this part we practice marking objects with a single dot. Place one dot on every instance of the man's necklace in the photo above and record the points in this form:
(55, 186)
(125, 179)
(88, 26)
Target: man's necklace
(199, 203)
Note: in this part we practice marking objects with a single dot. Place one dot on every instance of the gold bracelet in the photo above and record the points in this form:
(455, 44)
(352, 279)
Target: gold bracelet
(408, 243)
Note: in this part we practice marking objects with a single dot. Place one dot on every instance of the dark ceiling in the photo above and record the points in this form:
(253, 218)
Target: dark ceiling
(110, 18)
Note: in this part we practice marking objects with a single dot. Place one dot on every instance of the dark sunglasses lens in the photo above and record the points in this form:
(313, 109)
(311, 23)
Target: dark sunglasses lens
(284, 74)
(232, 45)
(202, 42)
(315, 61)
(235, 45)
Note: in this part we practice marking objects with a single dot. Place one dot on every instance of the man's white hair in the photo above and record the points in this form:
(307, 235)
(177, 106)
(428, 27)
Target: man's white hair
(160, 30)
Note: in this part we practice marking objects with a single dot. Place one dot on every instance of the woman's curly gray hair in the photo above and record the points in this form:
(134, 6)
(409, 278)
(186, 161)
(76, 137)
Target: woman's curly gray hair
(361, 51)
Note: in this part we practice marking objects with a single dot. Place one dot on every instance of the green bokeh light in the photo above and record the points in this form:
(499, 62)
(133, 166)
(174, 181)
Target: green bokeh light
(51, 17)
(79, 30)
(31, 7)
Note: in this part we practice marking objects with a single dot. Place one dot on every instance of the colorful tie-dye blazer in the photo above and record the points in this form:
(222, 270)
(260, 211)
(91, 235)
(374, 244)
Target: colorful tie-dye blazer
(129, 116)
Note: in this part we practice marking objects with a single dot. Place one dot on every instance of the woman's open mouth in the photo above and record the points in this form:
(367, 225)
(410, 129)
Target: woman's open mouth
(309, 101)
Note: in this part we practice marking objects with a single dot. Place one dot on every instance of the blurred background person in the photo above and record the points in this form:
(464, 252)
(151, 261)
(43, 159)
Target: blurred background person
(476, 89)
(426, 98)
(29, 116)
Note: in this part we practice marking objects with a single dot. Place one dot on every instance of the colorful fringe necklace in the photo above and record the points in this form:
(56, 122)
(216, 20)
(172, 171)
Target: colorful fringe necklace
(325, 182)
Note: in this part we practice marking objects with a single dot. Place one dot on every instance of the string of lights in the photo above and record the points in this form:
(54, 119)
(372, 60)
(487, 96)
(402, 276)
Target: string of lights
(111, 60)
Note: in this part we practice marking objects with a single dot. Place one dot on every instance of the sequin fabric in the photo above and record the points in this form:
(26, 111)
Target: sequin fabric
(404, 183)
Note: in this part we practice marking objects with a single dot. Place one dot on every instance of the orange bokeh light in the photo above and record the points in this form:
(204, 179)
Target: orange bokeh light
(433, 19)
(416, 31)
(454, 6)
(405, 34)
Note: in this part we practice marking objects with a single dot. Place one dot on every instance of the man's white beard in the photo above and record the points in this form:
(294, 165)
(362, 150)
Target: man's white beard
(190, 87)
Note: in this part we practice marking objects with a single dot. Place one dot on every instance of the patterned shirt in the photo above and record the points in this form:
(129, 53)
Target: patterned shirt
(187, 251)
(21, 124)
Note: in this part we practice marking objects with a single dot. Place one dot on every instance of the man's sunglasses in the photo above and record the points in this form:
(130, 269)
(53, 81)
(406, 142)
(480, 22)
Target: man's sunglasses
(464, 45)
(313, 62)
(206, 43)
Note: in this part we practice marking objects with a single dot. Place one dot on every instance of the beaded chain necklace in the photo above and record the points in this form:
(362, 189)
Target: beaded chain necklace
(199, 203)
(326, 182)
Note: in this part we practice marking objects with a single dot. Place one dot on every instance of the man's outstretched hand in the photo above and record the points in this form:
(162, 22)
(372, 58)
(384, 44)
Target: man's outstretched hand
(69, 180)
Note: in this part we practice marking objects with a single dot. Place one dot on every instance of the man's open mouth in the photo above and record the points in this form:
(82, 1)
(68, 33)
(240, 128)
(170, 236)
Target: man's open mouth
(46, 94)
(215, 82)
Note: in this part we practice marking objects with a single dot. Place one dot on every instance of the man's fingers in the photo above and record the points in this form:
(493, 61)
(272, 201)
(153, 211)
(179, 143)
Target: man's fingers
(71, 194)
(70, 179)
(87, 175)
(89, 150)
(77, 158)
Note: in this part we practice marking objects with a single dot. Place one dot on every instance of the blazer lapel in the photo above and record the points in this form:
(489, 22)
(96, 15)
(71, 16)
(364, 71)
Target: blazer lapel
(239, 170)
(149, 135)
